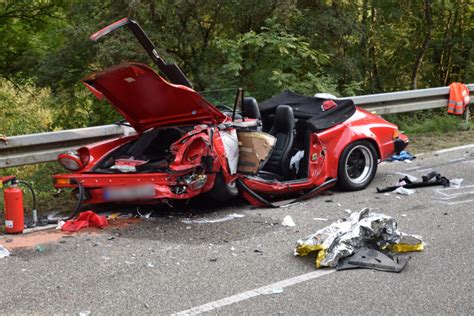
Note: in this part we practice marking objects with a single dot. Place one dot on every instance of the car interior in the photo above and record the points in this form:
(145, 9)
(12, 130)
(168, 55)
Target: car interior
(291, 139)
(291, 126)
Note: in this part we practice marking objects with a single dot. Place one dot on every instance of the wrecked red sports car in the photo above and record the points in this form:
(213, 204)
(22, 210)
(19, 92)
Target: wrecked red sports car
(184, 146)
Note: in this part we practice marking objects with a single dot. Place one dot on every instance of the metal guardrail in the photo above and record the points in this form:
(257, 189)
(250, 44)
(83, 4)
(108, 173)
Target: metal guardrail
(44, 147)
(406, 101)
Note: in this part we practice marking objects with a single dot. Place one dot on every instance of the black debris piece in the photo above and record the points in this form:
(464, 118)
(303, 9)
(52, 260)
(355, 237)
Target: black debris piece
(367, 258)
(431, 179)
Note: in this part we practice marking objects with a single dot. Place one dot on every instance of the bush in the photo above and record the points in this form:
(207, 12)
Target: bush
(23, 109)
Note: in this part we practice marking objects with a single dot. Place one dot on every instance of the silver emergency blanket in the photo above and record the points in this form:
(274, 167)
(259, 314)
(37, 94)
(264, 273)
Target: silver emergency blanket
(343, 237)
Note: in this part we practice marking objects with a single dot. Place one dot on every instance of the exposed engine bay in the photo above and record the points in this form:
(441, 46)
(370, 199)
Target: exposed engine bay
(149, 153)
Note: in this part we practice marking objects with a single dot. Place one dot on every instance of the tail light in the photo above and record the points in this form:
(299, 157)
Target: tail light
(71, 160)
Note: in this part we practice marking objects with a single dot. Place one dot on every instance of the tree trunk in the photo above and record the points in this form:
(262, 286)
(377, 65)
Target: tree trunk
(426, 42)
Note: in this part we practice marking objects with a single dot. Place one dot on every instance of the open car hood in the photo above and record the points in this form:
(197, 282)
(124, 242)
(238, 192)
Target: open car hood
(147, 100)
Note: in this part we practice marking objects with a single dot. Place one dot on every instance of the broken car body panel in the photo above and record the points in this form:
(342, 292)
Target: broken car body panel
(146, 100)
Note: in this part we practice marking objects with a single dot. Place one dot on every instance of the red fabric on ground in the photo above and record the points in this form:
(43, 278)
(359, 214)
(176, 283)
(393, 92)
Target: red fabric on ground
(85, 219)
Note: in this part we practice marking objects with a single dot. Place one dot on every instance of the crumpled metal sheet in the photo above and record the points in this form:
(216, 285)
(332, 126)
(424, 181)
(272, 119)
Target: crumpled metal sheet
(343, 237)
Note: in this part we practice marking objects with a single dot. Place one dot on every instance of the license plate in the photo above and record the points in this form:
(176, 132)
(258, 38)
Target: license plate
(129, 193)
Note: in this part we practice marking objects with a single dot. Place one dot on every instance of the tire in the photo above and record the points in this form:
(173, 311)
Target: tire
(223, 191)
(357, 166)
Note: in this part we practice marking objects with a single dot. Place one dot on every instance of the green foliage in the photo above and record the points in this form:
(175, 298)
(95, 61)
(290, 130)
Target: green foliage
(273, 60)
(23, 109)
(39, 176)
(434, 122)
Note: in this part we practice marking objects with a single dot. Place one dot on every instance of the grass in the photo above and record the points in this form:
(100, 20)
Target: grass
(432, 122)
(433, 130)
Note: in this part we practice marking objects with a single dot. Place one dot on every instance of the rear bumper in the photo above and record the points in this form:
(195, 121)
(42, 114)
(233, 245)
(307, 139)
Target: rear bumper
(165, 186)
(400, 143)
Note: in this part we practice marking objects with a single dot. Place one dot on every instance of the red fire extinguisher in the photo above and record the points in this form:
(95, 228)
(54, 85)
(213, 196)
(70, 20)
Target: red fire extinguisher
(13, 201)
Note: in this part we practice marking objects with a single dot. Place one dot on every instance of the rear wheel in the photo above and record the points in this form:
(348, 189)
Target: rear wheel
(223, 191)
(357, 166)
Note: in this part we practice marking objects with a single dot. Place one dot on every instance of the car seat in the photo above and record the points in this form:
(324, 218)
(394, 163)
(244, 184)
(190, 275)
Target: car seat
(250, 110)
(283, 131)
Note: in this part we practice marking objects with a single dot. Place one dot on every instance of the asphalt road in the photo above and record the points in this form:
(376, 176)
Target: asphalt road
(164, 266)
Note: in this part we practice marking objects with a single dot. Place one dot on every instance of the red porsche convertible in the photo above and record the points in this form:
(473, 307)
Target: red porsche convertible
(184, 146)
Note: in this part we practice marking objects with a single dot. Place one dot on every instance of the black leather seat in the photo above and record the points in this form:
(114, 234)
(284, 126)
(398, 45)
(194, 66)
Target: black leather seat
(250, 108)
(283, 130)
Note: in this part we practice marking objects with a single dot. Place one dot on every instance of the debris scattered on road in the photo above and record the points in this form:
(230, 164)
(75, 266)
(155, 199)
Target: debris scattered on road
(320, 219)
(40, 248)
(403, 156)
(288, 221)
(85, 219)
(431, 179)
(145, 215)
(4, 252)
(404, 191)
(277, 290)
(367, 258)
(410, 177)
(348, 211)
(213, 259)
(360, 229)
(60, 225)
(455, 183)
(211, 221)
(113, 215)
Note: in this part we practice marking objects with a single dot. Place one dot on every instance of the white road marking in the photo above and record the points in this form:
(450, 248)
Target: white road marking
(424, 170)
(456, 160)
(448, 194)
(267, 289)
(442, 151)
(457, 202)
(455, 191)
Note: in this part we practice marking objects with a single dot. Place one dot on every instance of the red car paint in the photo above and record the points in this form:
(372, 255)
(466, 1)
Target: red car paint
(325, 149)
(147, 101)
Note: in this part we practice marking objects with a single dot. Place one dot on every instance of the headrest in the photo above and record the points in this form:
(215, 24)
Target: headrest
(284, 119)
(250, 108)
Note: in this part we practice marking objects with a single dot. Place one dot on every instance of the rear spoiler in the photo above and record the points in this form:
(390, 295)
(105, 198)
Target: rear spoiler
(171, 71)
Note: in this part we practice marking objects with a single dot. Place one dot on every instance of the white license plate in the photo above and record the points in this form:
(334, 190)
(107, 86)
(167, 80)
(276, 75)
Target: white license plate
(129, 193)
